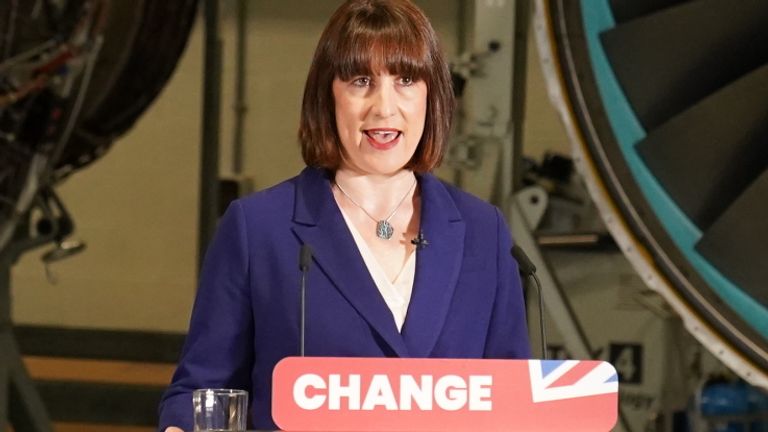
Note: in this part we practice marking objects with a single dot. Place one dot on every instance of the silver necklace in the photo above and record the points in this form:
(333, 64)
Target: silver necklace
(384, 229)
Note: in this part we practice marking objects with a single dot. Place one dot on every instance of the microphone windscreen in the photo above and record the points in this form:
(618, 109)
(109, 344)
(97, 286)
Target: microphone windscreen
(305, 257)
(526, 266)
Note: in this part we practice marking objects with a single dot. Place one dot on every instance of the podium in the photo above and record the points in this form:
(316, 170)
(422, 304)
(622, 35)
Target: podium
(394, 394)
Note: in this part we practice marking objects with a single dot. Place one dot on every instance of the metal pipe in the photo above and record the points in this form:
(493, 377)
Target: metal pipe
(519, 80)
(16, 387)
(241, 101)
(209, 157)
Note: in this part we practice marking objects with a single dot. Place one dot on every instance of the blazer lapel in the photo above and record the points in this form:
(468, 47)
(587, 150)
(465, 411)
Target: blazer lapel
(319, 224)
(437, 268)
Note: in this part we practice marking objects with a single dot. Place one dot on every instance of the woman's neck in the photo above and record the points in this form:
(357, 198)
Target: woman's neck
(374, 189)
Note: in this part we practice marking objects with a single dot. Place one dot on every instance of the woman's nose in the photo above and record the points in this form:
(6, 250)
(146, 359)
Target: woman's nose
(384, 101)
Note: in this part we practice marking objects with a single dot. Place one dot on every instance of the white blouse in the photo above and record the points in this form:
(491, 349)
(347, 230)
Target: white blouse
(397, 293)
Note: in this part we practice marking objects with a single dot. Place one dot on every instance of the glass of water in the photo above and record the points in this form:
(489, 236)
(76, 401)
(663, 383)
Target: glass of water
(220, 410)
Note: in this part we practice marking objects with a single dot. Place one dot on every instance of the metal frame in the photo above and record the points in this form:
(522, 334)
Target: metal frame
(495, 91)
(20, 402)
(210, 124)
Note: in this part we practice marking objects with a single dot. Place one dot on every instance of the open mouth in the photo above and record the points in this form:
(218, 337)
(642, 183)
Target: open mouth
(383, 136)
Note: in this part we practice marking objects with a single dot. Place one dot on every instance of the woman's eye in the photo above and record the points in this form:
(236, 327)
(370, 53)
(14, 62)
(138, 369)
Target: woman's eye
(406, 81)
(361, 82)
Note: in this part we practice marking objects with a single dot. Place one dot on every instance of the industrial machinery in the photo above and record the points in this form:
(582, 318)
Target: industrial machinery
(664, 103)
(669, 131)
(74, 75)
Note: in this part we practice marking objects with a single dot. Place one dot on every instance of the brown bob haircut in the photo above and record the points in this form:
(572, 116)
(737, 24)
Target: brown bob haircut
(364, 37)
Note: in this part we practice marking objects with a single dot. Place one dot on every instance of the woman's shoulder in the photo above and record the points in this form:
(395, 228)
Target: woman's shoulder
(268, 206)
(277, 194)
(467, 204)
(483, 221)
(278, 203)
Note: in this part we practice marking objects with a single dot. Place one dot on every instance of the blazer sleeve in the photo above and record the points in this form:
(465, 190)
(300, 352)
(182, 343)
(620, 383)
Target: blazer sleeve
(508, 332)
(218, 351)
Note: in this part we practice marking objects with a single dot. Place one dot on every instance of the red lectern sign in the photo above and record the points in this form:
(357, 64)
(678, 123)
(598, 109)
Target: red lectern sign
(378, 394)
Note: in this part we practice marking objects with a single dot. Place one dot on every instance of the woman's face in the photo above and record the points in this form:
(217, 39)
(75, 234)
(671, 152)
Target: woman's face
(380, 120)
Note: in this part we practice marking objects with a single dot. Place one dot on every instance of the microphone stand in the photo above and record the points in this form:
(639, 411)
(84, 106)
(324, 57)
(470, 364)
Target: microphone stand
(528, 270)
(305, 259)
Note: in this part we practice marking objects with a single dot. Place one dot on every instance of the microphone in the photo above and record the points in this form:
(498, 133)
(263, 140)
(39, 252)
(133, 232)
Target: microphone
(528, 269)
(420, 241)
(305, 259)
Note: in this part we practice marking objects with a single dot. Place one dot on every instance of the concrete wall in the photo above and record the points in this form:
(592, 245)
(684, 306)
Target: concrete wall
(137, 207)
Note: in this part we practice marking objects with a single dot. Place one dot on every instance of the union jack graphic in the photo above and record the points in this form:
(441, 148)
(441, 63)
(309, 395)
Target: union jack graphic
(553, 380)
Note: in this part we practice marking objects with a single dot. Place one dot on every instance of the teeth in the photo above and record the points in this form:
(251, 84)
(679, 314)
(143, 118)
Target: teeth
(384, 136)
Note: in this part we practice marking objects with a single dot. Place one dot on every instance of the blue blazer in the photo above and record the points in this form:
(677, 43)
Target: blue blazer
(466, 302)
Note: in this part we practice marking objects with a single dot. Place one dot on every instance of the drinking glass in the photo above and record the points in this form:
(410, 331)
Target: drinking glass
(220, 410)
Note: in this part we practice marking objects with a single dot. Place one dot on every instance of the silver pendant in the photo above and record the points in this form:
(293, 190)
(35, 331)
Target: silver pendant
(384, 230)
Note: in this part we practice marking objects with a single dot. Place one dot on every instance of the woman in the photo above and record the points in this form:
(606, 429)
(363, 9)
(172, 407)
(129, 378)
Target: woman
(375, 120)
